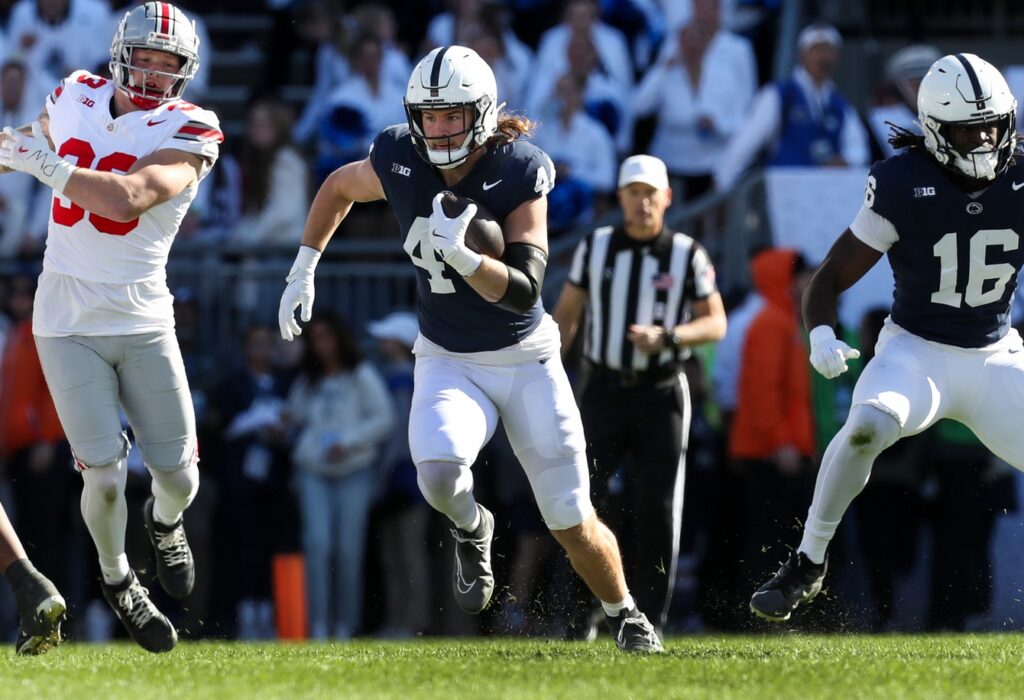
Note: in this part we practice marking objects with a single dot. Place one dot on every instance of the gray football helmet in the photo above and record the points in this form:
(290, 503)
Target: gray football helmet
(162, 27)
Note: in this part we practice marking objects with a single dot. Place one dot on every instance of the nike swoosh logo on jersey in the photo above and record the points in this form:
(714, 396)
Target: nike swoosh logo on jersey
(1017, 185)
(154, 123)
(488, 185)
(22, 150)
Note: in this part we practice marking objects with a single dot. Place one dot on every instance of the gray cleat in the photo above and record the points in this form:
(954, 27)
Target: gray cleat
(474, 579)
(633, 632)
(41, 609)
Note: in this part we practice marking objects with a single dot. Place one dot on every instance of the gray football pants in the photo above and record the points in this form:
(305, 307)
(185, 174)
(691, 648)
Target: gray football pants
(90, 377)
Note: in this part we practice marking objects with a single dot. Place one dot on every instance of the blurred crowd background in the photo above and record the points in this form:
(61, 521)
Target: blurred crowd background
(767, 114)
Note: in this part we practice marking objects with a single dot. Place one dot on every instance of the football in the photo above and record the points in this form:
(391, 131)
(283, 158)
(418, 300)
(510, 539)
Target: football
(484, 234)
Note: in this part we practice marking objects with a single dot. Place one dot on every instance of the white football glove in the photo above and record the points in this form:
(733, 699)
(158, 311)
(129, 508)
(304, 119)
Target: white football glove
(298, 293)
(32, 154)
(448, 236)
(828, 353)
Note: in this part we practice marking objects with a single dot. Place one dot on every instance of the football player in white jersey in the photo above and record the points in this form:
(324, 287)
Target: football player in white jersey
(124, 158)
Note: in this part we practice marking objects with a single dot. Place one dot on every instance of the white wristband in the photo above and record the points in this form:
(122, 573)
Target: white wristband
(57, 174)
(820, 334)
(464, 261)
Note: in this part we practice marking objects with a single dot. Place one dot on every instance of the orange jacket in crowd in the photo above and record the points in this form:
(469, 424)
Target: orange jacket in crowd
(773, 403)
(27, 414)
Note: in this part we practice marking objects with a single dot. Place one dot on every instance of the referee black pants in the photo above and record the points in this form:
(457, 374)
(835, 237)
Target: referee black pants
(643, 429)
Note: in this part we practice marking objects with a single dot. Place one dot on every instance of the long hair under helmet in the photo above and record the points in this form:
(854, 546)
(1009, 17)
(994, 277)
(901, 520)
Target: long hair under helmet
(963, 90)
(162, 27)
(450, 77)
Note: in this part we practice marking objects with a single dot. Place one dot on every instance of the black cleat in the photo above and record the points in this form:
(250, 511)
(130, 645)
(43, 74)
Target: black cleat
(474, 578)
(150, 629)
(797, 582)
(41, 609)
(633, 632)
(174, 564)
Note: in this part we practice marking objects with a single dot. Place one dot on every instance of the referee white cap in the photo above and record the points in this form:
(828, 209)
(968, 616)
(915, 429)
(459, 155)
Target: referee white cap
(646, 169)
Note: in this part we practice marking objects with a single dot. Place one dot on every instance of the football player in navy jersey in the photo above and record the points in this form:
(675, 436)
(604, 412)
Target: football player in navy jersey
(948, 213)
(486, 350)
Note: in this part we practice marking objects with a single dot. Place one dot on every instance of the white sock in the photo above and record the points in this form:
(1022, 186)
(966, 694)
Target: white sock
(115, 569)
(106, 516)
(613, 609)
(173, 492)
(473, 525)
(844, 471)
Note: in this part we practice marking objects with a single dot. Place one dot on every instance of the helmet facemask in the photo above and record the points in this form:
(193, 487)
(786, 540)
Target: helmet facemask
(451, 150)
(158, 27)
(982, 163)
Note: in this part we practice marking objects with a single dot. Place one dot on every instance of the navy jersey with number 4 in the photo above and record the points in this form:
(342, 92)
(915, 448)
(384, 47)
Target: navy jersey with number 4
(955, 257)
(450, 312)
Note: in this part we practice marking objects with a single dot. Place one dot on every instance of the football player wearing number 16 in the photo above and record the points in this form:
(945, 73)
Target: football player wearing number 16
(487, 350)
(124, 158)
(949, 214)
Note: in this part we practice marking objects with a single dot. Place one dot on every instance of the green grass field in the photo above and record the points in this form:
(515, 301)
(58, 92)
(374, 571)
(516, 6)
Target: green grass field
(787, 666)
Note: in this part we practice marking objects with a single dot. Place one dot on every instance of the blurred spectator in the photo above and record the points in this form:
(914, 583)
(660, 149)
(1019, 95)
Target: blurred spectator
(247, 409)
(275, 194)
(802, 120)
(378, 21)
(583, 154)
(641, 22)
(700, 89)
(605, 99)
(320, 23)
(464, 23)
(510, 60)
(403, 516)
(32, 443)
(363, 106)
(23, 220)
(772, 433)
(56, 37)
(897, 98)
(582, 18)
(217, 208)
(341, 408)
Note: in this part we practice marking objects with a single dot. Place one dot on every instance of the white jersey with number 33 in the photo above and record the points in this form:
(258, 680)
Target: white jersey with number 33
(106, 277)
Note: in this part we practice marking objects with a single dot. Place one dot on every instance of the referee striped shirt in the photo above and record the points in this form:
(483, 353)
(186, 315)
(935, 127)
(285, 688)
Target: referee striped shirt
(649, 283)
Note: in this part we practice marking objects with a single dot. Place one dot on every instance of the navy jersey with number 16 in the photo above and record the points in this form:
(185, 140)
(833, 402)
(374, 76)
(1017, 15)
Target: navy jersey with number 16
(451, 313)
(954, 256)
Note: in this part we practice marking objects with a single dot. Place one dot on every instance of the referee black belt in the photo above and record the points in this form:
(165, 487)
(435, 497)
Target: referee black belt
(628, 378)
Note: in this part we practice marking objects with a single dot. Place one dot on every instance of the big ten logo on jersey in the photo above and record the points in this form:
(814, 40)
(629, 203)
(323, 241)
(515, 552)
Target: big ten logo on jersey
(924, 192)
(86, 101)
(66, 212)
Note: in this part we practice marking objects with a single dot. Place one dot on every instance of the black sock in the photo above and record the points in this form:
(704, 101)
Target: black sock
(19, 572)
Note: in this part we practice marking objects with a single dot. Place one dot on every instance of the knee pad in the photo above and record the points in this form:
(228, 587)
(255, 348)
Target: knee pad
(870, 430)
(561, 489)
(181, 484)
(441, 481)
(106, 480)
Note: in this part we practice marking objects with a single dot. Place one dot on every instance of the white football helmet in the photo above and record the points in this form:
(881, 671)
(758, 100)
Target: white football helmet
(162, 27)
(962, 89)
(452, 76)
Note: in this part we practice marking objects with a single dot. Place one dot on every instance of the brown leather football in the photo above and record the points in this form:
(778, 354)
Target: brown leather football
(484, 234)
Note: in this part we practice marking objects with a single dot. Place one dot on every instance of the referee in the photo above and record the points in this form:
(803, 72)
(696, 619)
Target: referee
(649, 294)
